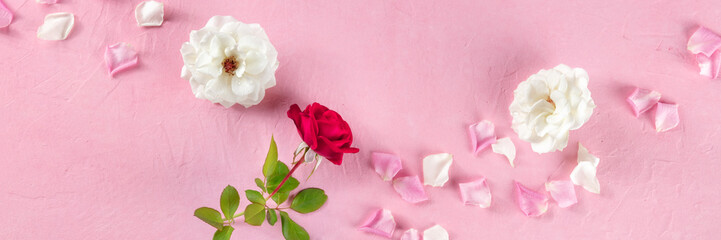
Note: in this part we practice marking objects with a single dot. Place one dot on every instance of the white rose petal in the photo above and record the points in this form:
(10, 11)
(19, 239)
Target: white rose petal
(149, 13)
(549, 104)
(505, 146)
(435, 169)
(435, 233)
(584, 174)
(57, 26)
(47, 1)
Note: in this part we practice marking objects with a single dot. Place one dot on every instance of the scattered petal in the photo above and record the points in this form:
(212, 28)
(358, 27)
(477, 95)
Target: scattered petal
(506, 147)
(386, 165)
(410, 189)
(380, 223)
(532, 203)
(411, 234)
(476, 193)
(704, 41)
(584, 174)
(47, 1)
(666, 116)
(435, 169)
(149, 13)
(709, 66)
(482, 134)
(641, 100)
(57, 26)
(6, 16)
(563, 192)
(120, 56)
(435, 233)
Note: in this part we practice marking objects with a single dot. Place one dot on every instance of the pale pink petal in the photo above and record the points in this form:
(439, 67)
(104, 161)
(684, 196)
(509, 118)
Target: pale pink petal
(380, 223)
(709, 66)
(120, 56)
(56, 26)
(149, 14)
(386, 165)
(410, 189)
(411, 234)
(531, 203)
(704, 41)
(641, 100)
(505, 146)
(47, 1)
(476, 193)
(563, 192)
(666, 116)
(6, 16)
(435, 233)
(482, 135)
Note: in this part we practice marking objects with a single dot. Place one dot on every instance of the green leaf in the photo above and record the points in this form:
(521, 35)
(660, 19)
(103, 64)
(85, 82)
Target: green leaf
(291, 230)
(254, 214)
(229, 201)
(210, 216)
(308, 200)
(255, 197)
(280, 197)
(277, 176)
(260, 184)
(272, 218)
(223, 234)
(271, 159)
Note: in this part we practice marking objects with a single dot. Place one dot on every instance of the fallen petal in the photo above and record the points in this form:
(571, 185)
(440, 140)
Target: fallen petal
(666, 117)
(563, 192)
(380, 223)
(386, 165)
(57, 26)
(47, 1)
(476, 193)
(482, 134)
(6, 16)
(584, 174)
(709, 66)
(149, 13)
(410, 189)
(532, 203)
(411, 234)
(641, 100)
(120, 56)
(704, 41)
(435, 233)
(505, 146)
(435, 169)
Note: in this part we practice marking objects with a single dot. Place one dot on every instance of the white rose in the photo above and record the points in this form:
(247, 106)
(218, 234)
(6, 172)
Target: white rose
(229, 62)
(549, 104)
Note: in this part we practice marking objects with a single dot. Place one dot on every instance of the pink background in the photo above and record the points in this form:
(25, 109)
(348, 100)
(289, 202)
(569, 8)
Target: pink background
(86, 156)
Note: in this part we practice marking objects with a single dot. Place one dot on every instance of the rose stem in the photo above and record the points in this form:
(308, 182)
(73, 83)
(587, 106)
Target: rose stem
(286, 177)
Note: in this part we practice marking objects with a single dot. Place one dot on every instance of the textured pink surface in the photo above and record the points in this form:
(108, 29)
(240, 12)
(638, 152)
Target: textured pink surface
(84, 156)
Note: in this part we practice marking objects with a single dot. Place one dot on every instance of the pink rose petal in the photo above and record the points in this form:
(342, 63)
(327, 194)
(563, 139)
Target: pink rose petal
(47, 1)
(532, 203)
(120, 56)
(709, 66)
(482, 135)
(476, 193)
(411, 234)
(641, 100)
(666, 116)
(386, 165)
(380, 223)
(6, 16)
(563, 192)
(410, 188)
(704, 41)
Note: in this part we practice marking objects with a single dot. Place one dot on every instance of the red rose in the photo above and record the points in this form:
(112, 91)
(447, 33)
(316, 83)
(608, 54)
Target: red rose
(323, 130)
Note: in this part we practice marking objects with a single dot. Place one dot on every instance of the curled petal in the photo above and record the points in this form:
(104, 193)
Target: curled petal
(57, 26)
(6, 16)
(482, 134)
(386, 165)
(435, 233)
(380, 223)
(120, 56)
(411, 234)
(704, 41)
(641, 100)
(666, 117)
(435, 169)
(476, 193)
(709, 66)
(410, 189)
(584, 174)
(47, 1)
(505, 146)
(149, 13)
(563, 192)
(532, 203)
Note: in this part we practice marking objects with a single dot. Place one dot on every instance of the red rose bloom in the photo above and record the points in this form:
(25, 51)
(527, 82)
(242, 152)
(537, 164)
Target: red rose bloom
(323, 130)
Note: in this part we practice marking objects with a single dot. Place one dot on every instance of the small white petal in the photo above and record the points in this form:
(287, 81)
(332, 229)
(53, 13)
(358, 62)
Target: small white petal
(380, 223)
(57, 26)
(411, 234)
(506, 147)
(47, 1)
(584, 174)
(435, 169)
(435, 233)
(149, 13)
